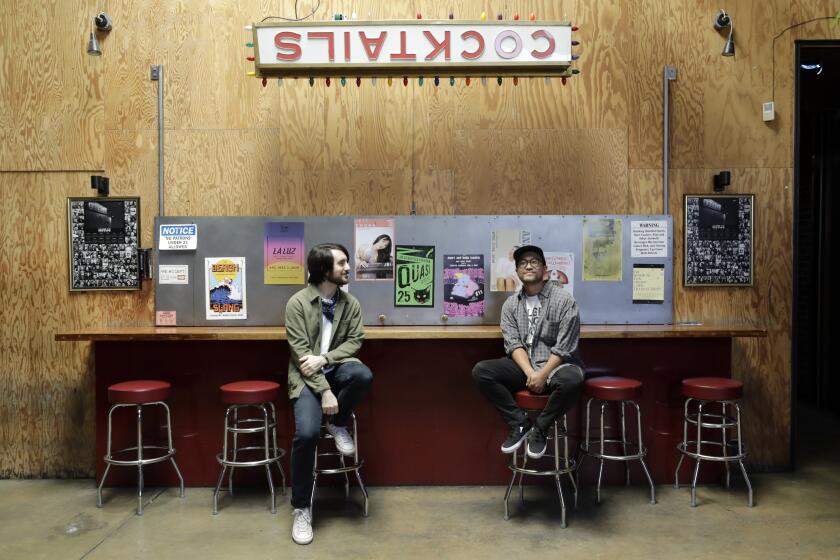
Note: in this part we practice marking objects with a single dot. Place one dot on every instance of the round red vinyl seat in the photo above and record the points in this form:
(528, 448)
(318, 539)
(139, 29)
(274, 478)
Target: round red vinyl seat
(142, 391)
(249, 392)
(527, 400)
(712, 388)
(610, 388)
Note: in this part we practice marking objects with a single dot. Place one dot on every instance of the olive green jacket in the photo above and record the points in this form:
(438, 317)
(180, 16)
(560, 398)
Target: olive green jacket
(303, 329)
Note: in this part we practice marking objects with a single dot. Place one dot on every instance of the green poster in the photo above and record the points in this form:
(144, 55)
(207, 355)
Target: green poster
(414, 281)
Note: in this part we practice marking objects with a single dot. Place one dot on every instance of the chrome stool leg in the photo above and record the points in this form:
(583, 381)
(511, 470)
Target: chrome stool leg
(235, 449)
(172, 449)
(699, 452)
(624, 444)
(684, 444)
(510, 486)
(750, 502)
(601, 459)
(642, 453)
(139, 460)
(723, 445)
(107, 458)
(224, 463)
(274, 444)
(267, 458)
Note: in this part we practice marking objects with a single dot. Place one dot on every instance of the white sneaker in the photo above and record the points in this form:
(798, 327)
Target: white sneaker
(343, 441)
(302, 526)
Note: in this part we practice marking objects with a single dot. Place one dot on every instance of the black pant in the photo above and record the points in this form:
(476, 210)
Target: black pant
(499, 379)
(349, 382)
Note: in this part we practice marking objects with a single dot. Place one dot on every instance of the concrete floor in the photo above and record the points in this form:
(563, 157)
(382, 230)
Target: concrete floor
(796, 516)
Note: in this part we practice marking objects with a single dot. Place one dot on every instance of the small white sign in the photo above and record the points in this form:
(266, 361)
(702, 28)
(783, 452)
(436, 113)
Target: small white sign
(649, 239)
(178, 237)
(174, 274)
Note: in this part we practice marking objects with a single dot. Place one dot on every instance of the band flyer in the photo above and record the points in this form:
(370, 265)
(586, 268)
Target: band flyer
(374, 244)
(414, 283)
(224, 281)
(602, 258)
(283, 253)
(463, 285)
(560, 268)
(503, 242)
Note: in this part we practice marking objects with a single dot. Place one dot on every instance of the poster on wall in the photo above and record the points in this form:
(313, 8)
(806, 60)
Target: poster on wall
(561, 269)
(103, 238)
(602, 256)
(414, 283)
(374, 248)
(718, 240)
(283, 253)
(463, 285)
(224, 288)
(503, 242)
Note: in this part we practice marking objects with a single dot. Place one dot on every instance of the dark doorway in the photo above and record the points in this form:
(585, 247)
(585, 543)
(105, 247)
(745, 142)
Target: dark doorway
(817, 240)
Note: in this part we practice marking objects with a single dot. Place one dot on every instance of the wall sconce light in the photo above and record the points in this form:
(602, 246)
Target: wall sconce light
(721, 21)
(721, 181)
(101, 184)
(103, 23)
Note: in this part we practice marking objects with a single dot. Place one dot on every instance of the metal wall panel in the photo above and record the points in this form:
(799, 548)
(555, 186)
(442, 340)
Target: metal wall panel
(600, 302)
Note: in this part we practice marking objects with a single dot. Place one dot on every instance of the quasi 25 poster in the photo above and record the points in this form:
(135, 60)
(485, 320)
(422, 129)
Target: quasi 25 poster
(414, 282)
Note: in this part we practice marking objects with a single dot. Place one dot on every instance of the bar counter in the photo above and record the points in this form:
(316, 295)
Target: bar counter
(424, 421)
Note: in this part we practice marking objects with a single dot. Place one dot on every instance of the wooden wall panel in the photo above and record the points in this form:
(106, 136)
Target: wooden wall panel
(236, 148)
(51, 97)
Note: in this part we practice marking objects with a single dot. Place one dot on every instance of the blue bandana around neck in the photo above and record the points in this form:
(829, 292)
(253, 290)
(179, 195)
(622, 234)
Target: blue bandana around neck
(328, 306)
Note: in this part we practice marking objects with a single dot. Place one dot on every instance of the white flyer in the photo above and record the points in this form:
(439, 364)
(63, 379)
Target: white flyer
(174, 274)
(649, 239)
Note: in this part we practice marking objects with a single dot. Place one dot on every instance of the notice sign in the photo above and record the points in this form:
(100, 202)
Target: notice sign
(648, 283)
(174, 274)
(178, 237)
(649, 239)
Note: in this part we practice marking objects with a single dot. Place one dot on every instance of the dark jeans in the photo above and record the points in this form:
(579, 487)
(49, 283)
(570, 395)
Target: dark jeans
(499, 379)
(349, 382)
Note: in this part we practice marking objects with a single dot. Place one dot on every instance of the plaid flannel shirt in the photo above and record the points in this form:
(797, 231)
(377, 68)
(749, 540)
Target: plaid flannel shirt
(557, 331)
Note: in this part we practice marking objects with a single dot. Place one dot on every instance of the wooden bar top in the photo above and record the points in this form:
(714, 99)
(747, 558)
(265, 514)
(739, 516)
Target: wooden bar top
(678, 330)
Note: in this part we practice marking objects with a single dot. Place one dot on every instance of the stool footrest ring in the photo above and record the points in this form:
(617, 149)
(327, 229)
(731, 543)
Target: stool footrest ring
(682, 448)
(111, 461)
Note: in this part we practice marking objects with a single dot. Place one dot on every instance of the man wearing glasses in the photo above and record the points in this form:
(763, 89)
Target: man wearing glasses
(541, 327)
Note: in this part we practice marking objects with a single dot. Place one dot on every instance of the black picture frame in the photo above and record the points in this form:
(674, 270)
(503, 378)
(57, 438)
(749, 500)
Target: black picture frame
(103, 238)
(718, 247)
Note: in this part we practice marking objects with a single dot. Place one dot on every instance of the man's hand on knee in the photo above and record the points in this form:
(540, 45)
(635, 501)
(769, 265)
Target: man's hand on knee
(329, 404)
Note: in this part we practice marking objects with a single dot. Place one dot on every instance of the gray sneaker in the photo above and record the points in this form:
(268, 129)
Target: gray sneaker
(302, 526)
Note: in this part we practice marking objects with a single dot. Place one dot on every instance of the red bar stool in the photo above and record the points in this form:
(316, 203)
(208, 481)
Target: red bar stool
(709, 393)
(256, 396)
(621, 391)
(137, 394)
(533, 404)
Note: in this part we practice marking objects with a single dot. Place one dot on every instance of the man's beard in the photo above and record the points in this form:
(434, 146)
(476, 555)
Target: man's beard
(338, 279)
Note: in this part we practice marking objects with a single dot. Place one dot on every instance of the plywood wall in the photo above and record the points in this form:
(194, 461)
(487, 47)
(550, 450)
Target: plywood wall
(235, 148)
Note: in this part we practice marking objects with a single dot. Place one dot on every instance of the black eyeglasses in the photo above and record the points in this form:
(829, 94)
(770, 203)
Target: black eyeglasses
(526, 262)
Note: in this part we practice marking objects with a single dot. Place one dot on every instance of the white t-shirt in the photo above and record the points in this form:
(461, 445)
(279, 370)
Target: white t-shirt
(534, 307)
(326, 334)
